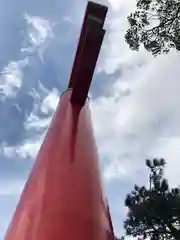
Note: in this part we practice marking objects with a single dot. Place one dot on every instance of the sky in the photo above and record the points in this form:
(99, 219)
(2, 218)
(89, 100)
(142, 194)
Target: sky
(134, 98)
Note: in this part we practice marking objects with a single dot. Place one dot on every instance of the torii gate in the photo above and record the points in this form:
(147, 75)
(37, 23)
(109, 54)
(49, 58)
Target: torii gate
(63, 197)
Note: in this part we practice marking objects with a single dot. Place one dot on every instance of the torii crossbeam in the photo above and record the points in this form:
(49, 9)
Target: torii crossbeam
(63, 197)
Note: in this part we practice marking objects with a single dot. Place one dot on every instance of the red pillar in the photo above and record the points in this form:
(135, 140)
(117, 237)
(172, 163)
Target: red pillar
(63, 197)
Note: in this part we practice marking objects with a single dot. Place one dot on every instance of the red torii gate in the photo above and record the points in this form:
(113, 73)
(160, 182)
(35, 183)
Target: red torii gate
(63, 197)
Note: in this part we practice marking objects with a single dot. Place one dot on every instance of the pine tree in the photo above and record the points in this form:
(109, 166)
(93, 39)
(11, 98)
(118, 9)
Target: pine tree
(154, 213)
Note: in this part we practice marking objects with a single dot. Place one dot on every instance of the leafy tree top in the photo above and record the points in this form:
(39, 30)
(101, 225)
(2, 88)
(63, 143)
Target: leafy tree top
(156, 25)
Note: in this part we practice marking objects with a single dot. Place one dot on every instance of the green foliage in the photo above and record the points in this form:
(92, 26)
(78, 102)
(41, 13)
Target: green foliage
(156, 25)
(154, 212)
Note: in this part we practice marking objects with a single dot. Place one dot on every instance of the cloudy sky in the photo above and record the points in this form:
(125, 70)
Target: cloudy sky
(134, 98)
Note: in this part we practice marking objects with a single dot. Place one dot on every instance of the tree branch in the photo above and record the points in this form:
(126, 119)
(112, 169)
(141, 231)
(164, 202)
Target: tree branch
(167, 21)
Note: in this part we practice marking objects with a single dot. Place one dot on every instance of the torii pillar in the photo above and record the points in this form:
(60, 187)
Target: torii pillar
(63, 197)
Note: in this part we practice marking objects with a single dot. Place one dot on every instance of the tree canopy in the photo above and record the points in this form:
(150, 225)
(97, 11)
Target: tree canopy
(156, 25)
(154, 212)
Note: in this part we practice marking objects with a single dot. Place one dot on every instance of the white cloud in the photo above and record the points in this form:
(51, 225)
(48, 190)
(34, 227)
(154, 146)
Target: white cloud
(46, 106)
(129, 127)
(116, 52)
(31, 146)
(28, 148)
(11, 78)
(133, 123)
(50, 102)
(39, 31)
(34, 122)
(168, 148)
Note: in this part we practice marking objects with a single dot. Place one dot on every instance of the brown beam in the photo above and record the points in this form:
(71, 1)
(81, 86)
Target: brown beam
(87, 51)
(89, 56)
(97, 12)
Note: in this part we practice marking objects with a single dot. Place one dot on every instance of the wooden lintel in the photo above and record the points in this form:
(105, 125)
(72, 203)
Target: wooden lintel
(89, 45)
(89, 56)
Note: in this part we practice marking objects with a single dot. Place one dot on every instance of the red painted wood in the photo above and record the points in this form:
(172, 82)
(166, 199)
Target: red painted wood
(63, 198)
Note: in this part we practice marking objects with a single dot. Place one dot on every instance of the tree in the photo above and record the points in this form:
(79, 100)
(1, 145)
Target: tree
(156, 25)
(154, 213)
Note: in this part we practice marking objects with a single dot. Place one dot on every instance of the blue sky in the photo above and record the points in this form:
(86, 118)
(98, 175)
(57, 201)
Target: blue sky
(134, 98)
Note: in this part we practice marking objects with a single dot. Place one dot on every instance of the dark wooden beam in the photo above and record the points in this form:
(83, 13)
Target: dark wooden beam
(89, 45)
(97, 12)
(90, 53)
